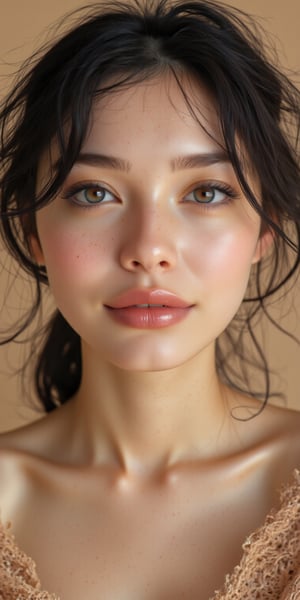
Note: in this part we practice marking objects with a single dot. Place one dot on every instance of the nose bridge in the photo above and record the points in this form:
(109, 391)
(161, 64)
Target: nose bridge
(149, 243)
(152, 220)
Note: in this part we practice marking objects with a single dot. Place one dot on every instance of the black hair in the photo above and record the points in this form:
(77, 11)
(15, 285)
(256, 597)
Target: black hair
(115, 45)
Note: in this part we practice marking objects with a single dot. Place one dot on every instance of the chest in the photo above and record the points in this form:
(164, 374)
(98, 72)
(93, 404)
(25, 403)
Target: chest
(160, 543)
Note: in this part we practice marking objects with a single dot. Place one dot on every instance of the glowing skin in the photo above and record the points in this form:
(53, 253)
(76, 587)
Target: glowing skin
(148, 232)
(143, 486)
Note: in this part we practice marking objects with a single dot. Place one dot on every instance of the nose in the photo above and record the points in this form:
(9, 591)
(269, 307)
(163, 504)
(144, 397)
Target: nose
(150, 243)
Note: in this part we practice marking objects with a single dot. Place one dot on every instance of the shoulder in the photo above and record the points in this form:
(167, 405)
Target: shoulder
(42, 438)
(15, 448)
(271, 422)
(25, 454)
(271, 554)
(271, 435)
(283, 425)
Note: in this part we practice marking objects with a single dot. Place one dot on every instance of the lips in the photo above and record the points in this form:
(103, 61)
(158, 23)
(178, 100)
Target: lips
(148, 309)
(148, 298)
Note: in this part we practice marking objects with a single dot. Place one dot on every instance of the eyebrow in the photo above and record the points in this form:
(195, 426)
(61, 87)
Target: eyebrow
(180, 162)
(199, 160)
(101, 160)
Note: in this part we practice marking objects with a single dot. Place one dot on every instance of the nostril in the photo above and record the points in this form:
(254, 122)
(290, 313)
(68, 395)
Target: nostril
(163, 263)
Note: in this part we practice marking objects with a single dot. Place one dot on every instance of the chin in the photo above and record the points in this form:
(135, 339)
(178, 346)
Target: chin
(147, 366)
(154, 360)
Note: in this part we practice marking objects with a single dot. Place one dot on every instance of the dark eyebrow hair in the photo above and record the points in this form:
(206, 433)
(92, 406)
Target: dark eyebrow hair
(101, 160)
(199, 160)
(180, 162)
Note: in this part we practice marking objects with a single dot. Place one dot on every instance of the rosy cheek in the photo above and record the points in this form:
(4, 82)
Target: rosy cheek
(72, 257)
(223, 255)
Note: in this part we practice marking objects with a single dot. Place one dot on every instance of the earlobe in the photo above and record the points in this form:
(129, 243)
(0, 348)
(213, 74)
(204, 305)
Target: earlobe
(266, 240)
(36, 250)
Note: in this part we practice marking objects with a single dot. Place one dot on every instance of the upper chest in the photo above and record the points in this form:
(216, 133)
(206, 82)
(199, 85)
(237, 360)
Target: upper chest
(91, 533)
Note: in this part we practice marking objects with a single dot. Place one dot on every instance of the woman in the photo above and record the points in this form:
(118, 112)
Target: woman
(151, 178)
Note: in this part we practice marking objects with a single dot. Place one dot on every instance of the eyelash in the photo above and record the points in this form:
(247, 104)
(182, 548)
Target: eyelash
(75, 189)
(216, 186)
(230, 194)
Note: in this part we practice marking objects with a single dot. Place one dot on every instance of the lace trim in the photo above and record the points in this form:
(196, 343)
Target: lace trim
(270, 566)
(18, 576)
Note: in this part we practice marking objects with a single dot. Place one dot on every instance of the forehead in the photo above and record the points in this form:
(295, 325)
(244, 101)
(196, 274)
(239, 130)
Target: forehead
(154, 114)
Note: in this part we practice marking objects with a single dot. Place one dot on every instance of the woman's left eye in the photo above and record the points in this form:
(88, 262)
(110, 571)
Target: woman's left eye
(210, 194)
(89, 195)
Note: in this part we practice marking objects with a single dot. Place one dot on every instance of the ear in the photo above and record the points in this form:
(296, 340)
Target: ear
(36, 250)
(265, 241)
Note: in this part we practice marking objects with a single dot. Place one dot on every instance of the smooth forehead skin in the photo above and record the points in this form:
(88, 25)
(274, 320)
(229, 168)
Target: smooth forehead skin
(156, 111)
(154, 122)
(151, 111)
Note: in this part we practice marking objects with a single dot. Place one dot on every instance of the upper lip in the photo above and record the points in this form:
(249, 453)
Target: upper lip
(154, 296)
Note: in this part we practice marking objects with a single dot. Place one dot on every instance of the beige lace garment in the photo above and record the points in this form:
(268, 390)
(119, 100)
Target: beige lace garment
(269, 568)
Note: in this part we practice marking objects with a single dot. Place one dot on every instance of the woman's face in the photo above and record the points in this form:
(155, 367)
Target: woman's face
(151, 204)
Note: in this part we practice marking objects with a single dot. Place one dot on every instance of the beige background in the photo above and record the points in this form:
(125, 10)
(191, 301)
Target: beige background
(23, 27)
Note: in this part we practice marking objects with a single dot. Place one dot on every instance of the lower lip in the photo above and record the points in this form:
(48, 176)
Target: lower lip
(148, 318)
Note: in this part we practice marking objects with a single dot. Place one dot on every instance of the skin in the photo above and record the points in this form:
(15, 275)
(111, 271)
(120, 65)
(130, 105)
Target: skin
(143, 485)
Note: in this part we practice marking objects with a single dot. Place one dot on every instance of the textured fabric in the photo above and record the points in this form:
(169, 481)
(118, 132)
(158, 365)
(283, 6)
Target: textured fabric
(269, 569)
(270, 566)
(18, 577)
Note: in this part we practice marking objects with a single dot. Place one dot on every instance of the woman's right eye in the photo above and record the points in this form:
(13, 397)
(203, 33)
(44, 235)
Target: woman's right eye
(89, 195)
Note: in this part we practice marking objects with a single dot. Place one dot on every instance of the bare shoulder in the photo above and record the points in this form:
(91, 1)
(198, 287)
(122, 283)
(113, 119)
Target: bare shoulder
(286, 456)
(24, 453)
(24, 439)
(15, 446)
(273, 432)
(40, 439)
(266, 420)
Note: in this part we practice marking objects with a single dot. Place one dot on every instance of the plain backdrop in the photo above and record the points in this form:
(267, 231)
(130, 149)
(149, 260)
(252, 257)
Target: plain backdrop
(24, 26)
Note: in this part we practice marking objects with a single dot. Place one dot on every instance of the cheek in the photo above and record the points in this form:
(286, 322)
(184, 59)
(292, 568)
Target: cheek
(72, 258)
(221, 264)
(223, 255)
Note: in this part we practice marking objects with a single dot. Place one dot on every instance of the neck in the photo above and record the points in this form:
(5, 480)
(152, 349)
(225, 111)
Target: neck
(146, 421)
